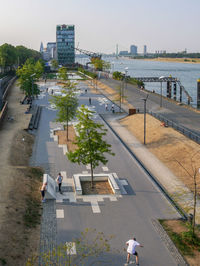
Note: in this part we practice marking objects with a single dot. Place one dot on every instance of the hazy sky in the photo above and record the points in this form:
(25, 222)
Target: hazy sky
(171, 25)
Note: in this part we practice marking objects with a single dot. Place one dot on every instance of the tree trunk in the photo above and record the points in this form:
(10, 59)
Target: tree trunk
(92, 175)
(67, 126)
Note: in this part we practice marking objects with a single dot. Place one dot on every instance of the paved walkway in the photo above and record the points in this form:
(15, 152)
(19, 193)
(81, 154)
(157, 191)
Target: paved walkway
(107, 213)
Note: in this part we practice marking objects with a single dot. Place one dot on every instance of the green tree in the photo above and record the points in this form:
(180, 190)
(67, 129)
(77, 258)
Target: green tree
(117, 75)
(8, 56)
(24, 53)
(120, 94)
(66, 105)
(54, 63)
(62, 73)
(39, 69)
(28, 74)
(91, 146)
(98, 63)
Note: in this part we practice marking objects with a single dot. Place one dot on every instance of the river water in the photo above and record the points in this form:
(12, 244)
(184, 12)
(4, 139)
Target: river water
(187, 73)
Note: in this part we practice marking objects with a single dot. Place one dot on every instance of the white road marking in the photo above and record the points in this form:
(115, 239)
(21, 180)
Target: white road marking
(60, 213)
(105, 168)
(113, 199)
(95, 207)
(85, 172)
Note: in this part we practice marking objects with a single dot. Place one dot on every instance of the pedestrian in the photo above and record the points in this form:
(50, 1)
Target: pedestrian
(132, 244)
(59, 182)
(43, 189)
(90, 100)
(113, 108)
(106, 107)
(85, 90)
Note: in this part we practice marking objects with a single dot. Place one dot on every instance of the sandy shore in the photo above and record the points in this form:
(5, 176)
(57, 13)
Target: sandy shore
(175, 60)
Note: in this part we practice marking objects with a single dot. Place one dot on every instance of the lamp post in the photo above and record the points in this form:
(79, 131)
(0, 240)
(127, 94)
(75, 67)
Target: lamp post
(145, 101)
(126, 71)
(161, 80)
(122, 84)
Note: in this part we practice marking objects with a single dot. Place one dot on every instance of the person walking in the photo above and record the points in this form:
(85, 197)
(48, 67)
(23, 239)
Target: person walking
(42, 190)
(106, 107)
(90, 101)
(132, 244)
(113, 108)
(59, 180)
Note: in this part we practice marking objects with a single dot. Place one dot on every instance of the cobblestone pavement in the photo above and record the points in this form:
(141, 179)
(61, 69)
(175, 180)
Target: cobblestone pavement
(48, 232)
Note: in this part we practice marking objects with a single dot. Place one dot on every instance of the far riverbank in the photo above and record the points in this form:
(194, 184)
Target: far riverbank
(175, 60)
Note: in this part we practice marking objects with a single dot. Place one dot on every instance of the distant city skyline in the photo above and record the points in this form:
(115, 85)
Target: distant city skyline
(170, 26)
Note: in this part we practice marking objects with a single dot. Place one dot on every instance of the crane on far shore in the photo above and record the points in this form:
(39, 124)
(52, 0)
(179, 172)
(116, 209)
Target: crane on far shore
(92, 55)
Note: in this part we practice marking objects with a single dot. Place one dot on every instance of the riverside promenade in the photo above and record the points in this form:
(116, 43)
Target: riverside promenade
(161, 174)
(183, 116)
(134, 212)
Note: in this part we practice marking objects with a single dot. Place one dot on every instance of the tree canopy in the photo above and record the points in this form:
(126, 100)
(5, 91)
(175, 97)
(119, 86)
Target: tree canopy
(8, 55)
(100, 64)
(11, 56)
(28, 74)
(62, 73)
(66, 104)
(90, 143)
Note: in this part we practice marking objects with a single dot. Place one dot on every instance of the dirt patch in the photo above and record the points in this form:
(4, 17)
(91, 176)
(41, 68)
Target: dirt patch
(19, 195)
(100, 188)
(22, 142)
(168, 145)
(62, 138)
(20, 232)
(179, 227)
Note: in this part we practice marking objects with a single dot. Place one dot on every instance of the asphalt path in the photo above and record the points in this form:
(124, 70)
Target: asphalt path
(129, 215)
(178, 114)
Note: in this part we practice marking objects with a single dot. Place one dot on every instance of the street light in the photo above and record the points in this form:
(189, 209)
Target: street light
(122, 85)
(161, 79)
(126, 71)
(145, 101)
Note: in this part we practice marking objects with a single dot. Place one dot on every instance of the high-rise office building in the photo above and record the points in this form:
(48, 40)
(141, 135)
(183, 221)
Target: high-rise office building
(51, 48)
(65, 39)
(133, 49)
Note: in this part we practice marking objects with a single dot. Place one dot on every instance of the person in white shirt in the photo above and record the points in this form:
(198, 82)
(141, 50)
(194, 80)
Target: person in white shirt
(132, 244)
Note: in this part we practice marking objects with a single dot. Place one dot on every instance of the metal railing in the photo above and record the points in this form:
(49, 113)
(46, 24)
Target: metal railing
(177, 127)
